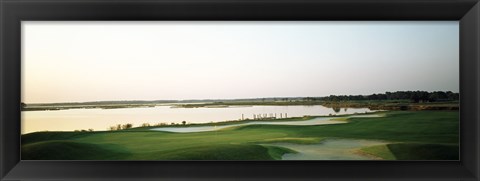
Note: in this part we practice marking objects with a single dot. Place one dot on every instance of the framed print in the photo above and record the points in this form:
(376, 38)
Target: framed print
(236, 90)
(244, 90)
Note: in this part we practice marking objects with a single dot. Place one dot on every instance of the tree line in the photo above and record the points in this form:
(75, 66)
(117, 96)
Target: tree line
(414, 96)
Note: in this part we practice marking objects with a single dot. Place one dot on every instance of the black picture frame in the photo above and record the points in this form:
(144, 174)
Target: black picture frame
(12, 12)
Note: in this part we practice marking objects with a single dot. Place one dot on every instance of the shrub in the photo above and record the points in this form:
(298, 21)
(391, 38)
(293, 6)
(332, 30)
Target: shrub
(127, 126)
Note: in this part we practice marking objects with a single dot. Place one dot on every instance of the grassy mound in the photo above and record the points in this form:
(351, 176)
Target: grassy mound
(218, 152)
(292, 140)
(44, 136)
(381, 151)
(414, 151)
(423, 135)
(277, 152)
(69, 150)
(403, 126)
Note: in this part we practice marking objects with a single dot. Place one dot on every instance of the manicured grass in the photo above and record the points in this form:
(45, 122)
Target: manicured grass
(277, 152)
(415, 126)
(292, 140)
(46, 136)
(217, 152)
(433, 133)
(72, 150)
(381, 151)
(415, 151)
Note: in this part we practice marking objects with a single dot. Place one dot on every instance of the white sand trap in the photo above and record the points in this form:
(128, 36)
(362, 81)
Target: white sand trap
(193, 128)
(367, 116)
(314, 121)
(330, 149)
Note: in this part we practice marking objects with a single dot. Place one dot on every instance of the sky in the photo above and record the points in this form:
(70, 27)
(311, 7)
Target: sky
(79, 61)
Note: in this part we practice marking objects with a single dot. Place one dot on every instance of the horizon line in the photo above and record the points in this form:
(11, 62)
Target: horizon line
(205, 99)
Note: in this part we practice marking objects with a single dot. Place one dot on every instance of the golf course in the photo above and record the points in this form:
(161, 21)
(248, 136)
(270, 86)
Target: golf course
(381, 135)
(240, 90)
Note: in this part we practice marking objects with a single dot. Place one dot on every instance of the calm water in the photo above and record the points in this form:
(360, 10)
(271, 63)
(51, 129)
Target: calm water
(102, 119)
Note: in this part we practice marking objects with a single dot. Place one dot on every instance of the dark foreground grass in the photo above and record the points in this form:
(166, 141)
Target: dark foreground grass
(415, 135)
(414, 151)
(48, 136)
(71, 150)
(219, 152)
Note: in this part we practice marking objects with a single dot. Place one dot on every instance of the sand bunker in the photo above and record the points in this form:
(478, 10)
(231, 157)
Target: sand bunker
(329, 149)
(314, 121)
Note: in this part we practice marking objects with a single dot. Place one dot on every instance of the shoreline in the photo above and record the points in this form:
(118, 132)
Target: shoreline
(226, 123)
(372, 105)
(229, 122)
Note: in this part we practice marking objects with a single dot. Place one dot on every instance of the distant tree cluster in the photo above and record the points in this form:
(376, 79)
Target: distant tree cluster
(120, 127)
(414, 96)
(145, 125)
(89, 130)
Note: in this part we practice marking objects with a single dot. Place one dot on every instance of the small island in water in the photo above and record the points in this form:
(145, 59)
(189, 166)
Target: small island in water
(402, 125)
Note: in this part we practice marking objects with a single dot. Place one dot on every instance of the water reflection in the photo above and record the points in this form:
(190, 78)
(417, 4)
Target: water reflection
(102, 119)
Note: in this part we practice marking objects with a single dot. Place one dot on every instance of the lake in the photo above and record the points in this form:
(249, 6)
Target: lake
(102, 119)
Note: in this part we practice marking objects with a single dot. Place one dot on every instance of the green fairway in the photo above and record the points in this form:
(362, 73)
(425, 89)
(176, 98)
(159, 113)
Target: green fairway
(411, 135)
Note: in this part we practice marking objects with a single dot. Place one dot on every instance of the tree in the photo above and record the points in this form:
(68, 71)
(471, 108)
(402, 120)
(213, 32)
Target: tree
(127, 126)
(336, 109)
(433, 97)
(415, 97)
(184, 122)
(23, 105)
(424, 95)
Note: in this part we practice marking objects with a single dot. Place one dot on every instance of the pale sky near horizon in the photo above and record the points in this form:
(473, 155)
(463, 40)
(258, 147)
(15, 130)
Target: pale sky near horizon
(98, 61)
